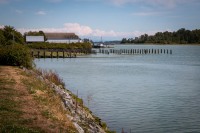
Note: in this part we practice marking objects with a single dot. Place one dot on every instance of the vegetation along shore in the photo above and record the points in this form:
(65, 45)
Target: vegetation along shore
(182, 36)
(34, 100)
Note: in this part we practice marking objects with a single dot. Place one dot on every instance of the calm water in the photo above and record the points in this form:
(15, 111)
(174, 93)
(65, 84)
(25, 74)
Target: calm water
(144, 93)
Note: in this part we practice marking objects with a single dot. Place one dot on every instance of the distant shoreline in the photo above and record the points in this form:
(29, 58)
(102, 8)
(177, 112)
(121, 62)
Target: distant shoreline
(156, 44)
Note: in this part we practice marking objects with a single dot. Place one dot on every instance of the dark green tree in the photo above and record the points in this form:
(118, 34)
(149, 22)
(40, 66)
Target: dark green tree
(11, 35)
(2, 38)
(124, 40)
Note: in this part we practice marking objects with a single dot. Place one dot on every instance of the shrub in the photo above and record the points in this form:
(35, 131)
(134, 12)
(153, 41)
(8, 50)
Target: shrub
(16, 55)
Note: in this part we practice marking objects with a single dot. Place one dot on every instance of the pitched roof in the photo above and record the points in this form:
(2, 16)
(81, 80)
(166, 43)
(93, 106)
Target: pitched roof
(61, 36)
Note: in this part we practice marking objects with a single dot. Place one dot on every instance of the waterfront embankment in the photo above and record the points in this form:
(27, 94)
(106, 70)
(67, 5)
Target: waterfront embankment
(30, 102)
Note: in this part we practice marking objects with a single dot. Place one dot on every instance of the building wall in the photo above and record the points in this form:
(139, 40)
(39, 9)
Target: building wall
(34, 38)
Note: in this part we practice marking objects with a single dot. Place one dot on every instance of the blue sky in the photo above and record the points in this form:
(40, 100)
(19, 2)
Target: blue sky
(111, 19)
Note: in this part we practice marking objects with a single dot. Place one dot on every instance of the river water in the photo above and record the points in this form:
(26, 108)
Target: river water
(142, 93)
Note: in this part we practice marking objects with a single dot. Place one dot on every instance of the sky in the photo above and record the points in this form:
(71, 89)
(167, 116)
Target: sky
(93, 19)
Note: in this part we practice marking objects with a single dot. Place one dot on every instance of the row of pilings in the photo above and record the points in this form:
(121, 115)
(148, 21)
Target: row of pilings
(135, 51)
(57, 53)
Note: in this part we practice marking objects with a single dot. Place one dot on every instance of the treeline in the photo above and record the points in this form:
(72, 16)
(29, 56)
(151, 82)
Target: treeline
(182, 36)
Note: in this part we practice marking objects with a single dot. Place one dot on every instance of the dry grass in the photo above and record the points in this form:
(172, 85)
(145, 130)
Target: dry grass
(51, 76)
(28, 105)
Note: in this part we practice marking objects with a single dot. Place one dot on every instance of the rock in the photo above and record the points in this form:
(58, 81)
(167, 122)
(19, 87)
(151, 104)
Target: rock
(80, 130)
(69, 117)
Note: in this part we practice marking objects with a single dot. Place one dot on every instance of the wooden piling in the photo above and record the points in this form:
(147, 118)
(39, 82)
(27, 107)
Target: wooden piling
(32, 53)
(38, 54)
(44, 54)
(51, 54)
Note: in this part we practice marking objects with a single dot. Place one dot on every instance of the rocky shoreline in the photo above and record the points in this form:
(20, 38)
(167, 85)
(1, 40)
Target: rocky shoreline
(81, 117)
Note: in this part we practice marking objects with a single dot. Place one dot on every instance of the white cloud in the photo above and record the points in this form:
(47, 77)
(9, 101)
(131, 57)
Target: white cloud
(1, 26)
(41, 13)
(86, 31)
(18, 11)
(164, 3)
(147, 13)
(78, 29)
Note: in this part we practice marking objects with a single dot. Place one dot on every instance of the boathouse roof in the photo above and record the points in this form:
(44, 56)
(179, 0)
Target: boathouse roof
(61, 36)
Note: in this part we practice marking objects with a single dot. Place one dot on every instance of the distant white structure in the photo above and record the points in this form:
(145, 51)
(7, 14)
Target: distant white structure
(62, 38)
(30, 39)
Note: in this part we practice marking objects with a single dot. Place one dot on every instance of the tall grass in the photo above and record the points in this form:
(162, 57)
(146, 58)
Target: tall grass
(51, 76)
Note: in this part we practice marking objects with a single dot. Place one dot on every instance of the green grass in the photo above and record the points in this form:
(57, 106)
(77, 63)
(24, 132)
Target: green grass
(10, 109)
(17, 129)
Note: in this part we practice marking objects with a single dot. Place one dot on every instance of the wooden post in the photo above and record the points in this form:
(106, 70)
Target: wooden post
(76, 102)
(57, 54)
(122, 130)
(44, 54)
(32, 53)
(63, 54)
(161, 51)
(170, 51)
(38, 54)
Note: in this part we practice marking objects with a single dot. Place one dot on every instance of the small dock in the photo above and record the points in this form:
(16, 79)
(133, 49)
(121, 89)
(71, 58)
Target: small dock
(58, 53)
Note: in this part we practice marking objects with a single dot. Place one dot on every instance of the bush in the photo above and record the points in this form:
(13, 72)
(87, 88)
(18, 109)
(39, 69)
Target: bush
(16, 55)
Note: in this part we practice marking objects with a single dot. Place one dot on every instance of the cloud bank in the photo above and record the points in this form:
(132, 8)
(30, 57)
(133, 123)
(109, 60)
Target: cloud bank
(86, 31)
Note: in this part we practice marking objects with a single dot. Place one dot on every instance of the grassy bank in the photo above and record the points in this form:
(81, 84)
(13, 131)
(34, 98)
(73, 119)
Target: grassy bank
(28, 105)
